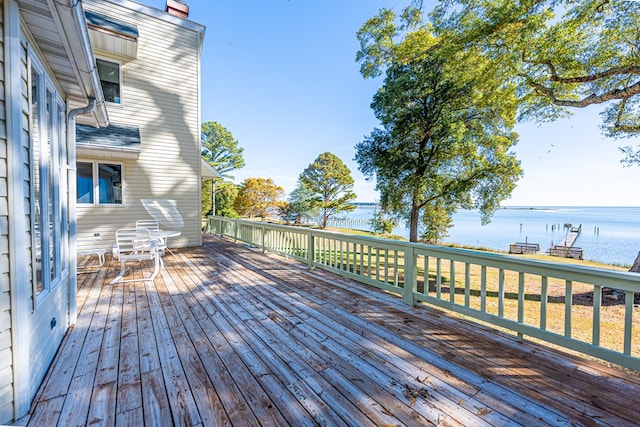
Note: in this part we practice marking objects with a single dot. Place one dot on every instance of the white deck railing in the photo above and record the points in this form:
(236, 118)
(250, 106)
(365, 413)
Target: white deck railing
(561, 304)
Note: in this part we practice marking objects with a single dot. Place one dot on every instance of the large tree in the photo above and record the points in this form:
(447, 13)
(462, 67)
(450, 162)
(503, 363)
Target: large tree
(258, 197)
(301, 205)
(447, 130)
(561, 54)
(330, 182)
(226, 194)
(220, 149)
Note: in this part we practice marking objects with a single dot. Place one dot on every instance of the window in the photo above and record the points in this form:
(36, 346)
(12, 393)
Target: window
(47, 133)
(99, 181)
(109, 73)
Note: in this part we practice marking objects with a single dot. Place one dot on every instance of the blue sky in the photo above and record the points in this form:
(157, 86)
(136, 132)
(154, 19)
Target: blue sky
(281, 76)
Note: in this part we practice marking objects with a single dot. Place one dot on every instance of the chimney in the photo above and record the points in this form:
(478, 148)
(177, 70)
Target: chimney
(177, 8)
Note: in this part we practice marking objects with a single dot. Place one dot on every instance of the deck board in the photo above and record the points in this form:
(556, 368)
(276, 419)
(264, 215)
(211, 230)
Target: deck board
(227, 335)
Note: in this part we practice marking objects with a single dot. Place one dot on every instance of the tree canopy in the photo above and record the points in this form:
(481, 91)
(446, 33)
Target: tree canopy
(220, 149)
(258, 197)
(226, 194)
(330, 183)
(447, 131)
(560, 54)
(301, 205)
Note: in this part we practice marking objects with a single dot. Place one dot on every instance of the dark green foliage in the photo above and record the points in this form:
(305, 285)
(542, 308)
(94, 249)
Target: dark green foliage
(446, 136)
(328, 180)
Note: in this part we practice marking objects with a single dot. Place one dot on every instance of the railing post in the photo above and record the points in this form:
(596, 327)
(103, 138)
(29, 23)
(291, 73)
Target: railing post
(311, 250)
(264, 235)
(410, 276)
(235, 231)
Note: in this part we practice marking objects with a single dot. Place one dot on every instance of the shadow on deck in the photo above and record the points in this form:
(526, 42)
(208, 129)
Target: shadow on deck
(228, 335)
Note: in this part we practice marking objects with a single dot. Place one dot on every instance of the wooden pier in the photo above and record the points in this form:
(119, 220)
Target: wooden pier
(565, 249)
(572, 235)
(524, 248)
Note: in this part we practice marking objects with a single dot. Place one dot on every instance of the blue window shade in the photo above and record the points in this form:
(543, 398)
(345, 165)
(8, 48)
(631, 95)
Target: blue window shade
(110, 183)
(84, 182)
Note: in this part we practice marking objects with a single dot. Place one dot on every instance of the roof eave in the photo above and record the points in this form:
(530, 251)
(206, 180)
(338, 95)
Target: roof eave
(72, 25)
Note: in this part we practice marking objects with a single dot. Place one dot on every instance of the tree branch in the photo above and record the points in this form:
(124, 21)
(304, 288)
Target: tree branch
(629, 69)
(611, 95)
(618, 127)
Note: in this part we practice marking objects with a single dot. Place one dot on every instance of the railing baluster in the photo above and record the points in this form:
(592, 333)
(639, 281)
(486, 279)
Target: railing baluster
(311, 250)
(396, 268)
(386, 266)
(501, 292)
(348, 257)
(335, 252)
(425, 275)
(452, 281)
(483, 288)
(520, 303)
(346, 263)
(344, 247)
(467, 284)
(597, 308)
(628, 321)
(544, 292)
(438, 278)
(568, 302)
(325, 248)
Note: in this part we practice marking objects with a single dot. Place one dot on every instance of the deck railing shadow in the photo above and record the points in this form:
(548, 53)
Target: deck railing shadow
(560, 304)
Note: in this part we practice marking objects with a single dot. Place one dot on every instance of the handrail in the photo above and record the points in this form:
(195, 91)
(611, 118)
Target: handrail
(561, 304)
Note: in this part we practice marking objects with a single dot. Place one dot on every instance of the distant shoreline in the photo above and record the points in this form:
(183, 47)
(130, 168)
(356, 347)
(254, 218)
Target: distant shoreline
(611, 235)
(528, 208)
(547, 207)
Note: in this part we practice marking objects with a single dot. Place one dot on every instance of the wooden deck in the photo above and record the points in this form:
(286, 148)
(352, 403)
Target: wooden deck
(229, 336)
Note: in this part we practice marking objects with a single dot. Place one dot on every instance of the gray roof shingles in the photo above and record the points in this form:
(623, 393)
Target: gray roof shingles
(111, 24)
(112, 136)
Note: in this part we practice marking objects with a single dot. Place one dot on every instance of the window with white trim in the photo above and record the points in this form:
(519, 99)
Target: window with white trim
(111, 80)
(99, 183)
(48, 159)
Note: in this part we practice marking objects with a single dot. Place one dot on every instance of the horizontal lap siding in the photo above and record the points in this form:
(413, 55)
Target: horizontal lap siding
(6, 355)
(160, 95)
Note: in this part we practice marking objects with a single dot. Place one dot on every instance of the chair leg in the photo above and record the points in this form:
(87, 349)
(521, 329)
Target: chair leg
(156, 267)
(121, 275)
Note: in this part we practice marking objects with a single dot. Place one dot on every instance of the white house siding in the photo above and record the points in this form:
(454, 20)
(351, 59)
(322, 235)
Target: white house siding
(160, 96)
(6, 355)
(44, 337)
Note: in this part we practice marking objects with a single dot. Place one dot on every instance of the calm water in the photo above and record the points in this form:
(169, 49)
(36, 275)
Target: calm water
(609, 234)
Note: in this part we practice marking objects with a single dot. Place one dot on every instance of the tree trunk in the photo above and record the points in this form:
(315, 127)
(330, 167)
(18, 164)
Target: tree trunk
(325, 218)
(413, 224)
(636, 264)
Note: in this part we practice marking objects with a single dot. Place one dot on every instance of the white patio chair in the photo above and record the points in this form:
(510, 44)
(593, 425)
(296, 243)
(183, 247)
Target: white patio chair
(89, 250)
(134, 244)
(152, 225)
